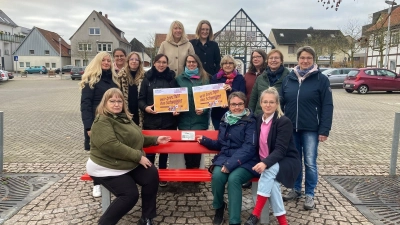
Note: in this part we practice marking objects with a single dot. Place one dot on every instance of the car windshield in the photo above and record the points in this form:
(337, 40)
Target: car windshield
(326, 72)
(352, 73)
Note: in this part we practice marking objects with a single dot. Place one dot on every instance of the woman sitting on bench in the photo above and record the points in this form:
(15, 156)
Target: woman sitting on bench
(117, 160)
(236, 142)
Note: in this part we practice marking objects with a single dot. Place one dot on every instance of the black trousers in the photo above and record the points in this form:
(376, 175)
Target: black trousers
(192, 161)
(127, 194)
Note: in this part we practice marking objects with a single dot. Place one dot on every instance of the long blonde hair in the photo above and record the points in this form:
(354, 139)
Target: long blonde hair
(93, 71)
(139, 72)
(170, 36)
(102, 107)
(273, 91)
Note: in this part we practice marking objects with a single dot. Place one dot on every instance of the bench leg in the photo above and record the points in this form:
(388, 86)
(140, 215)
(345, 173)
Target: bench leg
(176, 161)
(265, 212)
(105, 198)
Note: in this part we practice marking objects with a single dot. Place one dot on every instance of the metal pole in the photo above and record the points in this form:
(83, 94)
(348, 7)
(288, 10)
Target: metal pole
(387, 40)
(395, 145)
(1, 141)
(59, 43)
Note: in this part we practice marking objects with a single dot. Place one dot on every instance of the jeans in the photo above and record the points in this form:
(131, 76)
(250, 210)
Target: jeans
(235, 180)
(307, 144)
(127, 194)
(269, 187)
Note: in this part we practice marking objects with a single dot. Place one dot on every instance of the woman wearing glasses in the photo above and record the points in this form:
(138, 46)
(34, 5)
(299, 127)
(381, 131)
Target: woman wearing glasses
(236, 142)
(272, 76)
(233, 82)
(257, 66)
(119, 55)
(195, 119)
(99, 76)
(159, 76)
(130, 78)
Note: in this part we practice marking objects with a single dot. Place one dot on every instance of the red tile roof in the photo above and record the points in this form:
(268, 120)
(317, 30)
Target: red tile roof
(383, 20)
(52, 39)
(112, 27)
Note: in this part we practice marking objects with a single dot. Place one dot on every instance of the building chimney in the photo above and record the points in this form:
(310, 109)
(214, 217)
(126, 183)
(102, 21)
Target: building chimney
(106, 16)
(100, 13)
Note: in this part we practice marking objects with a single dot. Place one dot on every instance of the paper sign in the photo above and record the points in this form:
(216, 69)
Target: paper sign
(188, 136)
(171, 100)
(209, 96)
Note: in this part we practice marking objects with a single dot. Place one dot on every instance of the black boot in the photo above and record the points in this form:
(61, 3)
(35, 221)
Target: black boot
(252, 220)
(145, 221)
(247, 185)
(219, 215)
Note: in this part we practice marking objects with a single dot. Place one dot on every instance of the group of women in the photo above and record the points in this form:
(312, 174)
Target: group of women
(255, 137)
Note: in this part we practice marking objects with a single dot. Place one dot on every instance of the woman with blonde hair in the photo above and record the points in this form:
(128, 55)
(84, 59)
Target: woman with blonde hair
(118, 162)
(280, 161)
(99, 76)
(206, 48)
(130, 78)
(176, 47)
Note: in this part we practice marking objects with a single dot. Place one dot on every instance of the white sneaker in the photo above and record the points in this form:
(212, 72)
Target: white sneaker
(96, 191)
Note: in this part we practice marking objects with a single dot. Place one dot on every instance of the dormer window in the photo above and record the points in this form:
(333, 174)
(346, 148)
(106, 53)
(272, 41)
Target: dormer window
(308, 35)
(332, 35)
(281, 34)
(122, 34)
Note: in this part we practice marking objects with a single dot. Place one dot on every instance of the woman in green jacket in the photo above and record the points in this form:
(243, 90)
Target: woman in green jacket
(117, 160)
(195, 119)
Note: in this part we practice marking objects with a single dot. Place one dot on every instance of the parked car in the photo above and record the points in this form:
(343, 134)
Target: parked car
(77, 72)
(4, 75)
(65, 69)
(10, 75)
(364, 80)
(336, 76)
(36, 69)
(322, 69)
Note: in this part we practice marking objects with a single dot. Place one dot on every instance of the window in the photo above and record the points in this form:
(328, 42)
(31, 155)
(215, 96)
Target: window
(369, 72)
(85, 47)
(332, 35)
(390, 74)
(395, 38)
(31, 52)
(28, 64)
(53, 65)
(21, 64)
(77, 62)
(282, 35)
(106, 47)
(85, 62)
(47, 65)
(6, 52)
(94, 31)
(47, 52)
(309, 35)
(290, 49)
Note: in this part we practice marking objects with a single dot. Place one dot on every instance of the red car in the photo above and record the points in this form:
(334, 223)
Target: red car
(364, 80)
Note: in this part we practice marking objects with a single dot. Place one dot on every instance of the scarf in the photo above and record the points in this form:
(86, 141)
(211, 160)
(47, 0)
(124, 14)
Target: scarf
(133, 73)
(274, 76)
(231, 118)
(229, 77)
(192, 73)
(300, 73)
(303, 72)
(106, 74)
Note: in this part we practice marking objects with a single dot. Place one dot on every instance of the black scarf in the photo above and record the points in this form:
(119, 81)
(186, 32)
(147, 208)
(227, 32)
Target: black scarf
(106, 74)
(273, 76)
(164, 74)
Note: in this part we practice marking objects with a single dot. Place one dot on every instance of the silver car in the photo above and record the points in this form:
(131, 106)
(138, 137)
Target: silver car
(337, 76)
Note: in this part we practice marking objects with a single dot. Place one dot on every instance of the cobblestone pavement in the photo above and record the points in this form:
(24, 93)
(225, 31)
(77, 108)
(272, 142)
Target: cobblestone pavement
(43, 134)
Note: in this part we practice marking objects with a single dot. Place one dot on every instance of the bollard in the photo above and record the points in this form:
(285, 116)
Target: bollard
(1, 141)
(395, 145)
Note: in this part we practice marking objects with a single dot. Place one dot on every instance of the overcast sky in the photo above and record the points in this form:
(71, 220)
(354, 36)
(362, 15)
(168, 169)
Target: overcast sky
(141, 18)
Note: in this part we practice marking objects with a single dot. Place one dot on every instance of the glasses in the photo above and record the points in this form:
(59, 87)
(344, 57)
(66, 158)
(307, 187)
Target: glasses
(234, 105)
(268, 103)
(134, 60)
(119, 56)
(229, 63)
(256, 57)
(274, 58)
(306, 58)
(115, 102)
(205, 29)
(188, 62)
(161, 62)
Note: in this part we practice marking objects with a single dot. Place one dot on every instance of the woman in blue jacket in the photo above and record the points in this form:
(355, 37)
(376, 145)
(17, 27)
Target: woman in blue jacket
(306, 98)
(233, 82)
(236, 142)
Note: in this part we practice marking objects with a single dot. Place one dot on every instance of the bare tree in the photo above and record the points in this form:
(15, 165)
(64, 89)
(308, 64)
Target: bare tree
(352, 31)
(151, 48)
(317, 42)
(231, 43)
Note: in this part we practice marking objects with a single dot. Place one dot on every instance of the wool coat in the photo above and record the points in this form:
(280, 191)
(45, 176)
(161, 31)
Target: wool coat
(282, 150)
(176, 53)
(209, 54)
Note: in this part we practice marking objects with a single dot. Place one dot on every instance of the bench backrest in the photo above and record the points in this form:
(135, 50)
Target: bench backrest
(181, 141)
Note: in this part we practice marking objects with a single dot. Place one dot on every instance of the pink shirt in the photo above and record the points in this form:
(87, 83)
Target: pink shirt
(264, 132)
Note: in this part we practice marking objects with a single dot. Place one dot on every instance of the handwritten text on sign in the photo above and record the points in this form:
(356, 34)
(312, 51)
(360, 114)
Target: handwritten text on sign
(209, 96)
(170, 100)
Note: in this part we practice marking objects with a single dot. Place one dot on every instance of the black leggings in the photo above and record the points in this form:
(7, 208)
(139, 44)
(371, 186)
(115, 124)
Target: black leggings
(127, 194)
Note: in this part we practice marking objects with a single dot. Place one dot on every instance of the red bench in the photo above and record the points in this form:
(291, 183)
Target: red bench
(181, 142)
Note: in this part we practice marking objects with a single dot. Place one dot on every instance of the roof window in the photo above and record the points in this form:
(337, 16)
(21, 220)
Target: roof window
(282, 35)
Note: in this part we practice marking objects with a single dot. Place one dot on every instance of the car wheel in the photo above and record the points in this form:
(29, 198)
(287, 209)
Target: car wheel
(41, 72)
(73, 78)
(389, 91)
(349, 90)
(363, 89)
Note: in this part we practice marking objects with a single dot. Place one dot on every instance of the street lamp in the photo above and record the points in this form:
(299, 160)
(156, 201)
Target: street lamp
(391, 4)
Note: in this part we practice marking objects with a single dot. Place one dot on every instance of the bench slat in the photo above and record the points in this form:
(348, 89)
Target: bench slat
(179, 147)
(176, 135)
